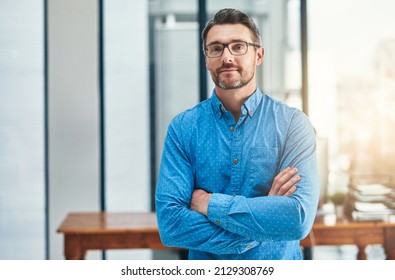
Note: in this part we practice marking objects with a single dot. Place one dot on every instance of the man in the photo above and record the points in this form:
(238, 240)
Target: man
(238, 176)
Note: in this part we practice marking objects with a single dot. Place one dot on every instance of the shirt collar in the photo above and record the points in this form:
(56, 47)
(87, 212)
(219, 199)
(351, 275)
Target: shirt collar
(250, 105)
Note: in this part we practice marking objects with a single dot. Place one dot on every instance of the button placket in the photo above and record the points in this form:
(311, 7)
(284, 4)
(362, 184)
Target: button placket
(235, 159)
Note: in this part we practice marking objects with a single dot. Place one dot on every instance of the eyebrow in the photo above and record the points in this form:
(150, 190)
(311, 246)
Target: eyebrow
(233, 41)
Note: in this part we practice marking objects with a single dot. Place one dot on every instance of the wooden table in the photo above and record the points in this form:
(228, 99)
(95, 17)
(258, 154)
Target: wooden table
(103, 231)
(345, 232)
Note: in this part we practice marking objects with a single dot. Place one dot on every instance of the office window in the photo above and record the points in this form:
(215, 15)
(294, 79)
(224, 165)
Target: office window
(352, 85)
(22, 184)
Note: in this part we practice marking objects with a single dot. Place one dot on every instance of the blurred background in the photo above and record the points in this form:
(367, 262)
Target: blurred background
(87, 89)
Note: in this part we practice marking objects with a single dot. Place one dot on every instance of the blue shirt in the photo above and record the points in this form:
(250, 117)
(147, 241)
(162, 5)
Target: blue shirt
(237, 162)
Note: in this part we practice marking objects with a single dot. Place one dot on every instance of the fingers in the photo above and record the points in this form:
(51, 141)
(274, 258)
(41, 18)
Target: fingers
(284, 182)
(290, 191)
(289, 187)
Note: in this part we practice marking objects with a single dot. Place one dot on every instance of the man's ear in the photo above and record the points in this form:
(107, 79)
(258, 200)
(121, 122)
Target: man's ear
(259, 55)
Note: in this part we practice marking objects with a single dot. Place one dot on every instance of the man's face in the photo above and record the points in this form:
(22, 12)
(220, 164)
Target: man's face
(229, 71)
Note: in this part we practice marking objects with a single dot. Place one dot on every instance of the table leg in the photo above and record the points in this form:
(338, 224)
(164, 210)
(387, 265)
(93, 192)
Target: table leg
(389, 242)
(73, 247)
(361, 252)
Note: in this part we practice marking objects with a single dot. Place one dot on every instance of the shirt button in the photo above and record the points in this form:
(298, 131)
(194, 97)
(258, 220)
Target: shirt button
(217, 222)
(235, 161)
(249, 246)
(232, 128)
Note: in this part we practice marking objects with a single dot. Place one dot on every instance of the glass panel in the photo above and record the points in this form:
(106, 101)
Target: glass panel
(175, 55)
(22, 192)
(293, 57)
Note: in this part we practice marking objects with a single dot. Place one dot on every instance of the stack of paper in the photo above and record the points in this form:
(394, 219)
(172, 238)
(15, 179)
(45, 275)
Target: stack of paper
(372, 201)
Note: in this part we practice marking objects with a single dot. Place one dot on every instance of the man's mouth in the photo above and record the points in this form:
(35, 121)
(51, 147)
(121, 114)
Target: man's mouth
(227, 69)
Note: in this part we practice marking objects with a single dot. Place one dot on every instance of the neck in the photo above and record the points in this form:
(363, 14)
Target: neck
(233, 99)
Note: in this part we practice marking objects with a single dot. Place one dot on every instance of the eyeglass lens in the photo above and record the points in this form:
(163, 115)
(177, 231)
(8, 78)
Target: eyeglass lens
(235, 48)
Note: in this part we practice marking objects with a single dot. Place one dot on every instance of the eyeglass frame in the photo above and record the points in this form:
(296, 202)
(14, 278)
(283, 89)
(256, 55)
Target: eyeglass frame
(227, 46)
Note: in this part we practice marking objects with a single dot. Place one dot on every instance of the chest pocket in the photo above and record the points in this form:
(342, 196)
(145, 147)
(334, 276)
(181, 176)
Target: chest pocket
(263, 164)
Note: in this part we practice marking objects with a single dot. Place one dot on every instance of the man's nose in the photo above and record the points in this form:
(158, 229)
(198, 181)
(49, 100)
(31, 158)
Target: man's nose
(226, 55)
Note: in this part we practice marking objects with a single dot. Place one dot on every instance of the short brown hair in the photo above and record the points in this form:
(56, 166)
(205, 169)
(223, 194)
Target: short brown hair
(232, 16)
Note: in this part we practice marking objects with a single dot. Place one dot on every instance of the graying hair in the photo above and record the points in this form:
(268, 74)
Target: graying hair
(232, 16)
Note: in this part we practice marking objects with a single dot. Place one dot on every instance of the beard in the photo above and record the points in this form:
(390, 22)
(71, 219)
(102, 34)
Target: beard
(227, 84)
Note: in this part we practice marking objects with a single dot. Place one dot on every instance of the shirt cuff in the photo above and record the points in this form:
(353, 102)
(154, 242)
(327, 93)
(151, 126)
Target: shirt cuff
(217, 212)
(250, 246)
(218, 208)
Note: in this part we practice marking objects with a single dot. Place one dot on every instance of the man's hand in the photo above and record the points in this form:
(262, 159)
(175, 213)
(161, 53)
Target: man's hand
(284, 182)
(199, 202)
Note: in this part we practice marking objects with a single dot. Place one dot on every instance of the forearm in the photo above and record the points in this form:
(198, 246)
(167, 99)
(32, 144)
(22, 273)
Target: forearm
(280, 216)
(269, 218)
(181, 227)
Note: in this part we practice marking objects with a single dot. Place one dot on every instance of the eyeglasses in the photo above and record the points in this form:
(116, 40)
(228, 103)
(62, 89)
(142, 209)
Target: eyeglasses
(235, 48)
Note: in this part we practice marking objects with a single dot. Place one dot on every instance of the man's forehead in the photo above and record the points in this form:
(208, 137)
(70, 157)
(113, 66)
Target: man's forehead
(228, 32)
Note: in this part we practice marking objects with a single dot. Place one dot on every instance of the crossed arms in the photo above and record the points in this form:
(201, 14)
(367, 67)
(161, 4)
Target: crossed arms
(283, 185)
